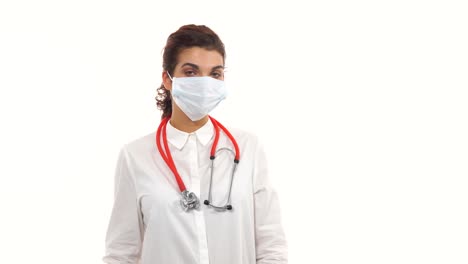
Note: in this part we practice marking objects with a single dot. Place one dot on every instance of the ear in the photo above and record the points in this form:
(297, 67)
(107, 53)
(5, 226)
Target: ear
(166, 81)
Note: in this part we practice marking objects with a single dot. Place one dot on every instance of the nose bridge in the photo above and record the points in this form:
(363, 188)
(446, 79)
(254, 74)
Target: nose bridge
(205, 70)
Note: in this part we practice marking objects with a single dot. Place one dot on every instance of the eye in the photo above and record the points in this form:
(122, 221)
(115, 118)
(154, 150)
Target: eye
(190, 72)
(216, 75)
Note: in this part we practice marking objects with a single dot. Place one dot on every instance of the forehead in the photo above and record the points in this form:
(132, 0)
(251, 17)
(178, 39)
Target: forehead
(200, 56)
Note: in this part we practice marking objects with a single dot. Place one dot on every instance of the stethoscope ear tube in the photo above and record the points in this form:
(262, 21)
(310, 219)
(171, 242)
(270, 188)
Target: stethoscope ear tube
(207, 202)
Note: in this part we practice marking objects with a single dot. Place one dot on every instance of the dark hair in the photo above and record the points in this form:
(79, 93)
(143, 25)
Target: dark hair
(185, 37)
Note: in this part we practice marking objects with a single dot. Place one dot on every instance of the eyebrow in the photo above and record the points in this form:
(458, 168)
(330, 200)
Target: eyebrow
(196, 66)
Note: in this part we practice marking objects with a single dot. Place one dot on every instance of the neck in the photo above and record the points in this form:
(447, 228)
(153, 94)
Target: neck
(180, 121)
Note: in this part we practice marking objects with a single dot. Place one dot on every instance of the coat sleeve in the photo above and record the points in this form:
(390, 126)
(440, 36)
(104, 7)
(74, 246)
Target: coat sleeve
(124, 232)
(270, 240)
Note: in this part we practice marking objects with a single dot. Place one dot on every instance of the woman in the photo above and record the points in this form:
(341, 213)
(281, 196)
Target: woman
(179, 200)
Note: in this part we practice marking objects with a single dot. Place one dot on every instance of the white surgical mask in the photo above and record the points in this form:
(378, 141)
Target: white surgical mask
(197, 96)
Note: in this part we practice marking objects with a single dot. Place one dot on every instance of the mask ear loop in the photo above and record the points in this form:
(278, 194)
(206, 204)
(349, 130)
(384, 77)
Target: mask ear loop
(170, 77)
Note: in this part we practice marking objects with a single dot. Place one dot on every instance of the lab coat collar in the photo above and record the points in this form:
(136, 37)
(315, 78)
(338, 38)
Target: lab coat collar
(178, 138)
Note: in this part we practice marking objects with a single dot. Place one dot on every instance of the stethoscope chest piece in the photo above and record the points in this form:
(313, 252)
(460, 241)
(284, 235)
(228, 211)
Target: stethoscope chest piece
(189, 200)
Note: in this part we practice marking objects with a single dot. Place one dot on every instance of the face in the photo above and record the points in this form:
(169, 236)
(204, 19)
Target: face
(197, 61)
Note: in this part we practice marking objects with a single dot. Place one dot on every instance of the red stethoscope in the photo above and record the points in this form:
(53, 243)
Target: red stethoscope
(189, 200)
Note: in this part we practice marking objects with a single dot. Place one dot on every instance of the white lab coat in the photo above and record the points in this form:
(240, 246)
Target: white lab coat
(148, 225)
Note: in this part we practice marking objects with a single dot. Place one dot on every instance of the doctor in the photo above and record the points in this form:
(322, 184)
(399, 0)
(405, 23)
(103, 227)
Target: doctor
(193, 190)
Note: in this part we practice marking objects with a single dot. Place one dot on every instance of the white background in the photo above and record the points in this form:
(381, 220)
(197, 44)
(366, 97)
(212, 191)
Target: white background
(362, 107)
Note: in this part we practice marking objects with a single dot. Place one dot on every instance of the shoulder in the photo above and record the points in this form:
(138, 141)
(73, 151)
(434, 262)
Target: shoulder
(242, 134)
(247, 139)
(140, 145)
